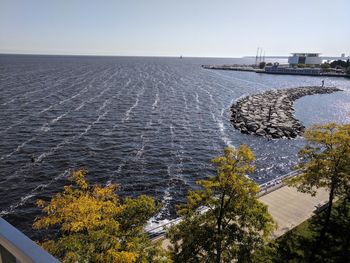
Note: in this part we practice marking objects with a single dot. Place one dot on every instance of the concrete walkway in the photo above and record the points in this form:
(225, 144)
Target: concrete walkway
(288, 208)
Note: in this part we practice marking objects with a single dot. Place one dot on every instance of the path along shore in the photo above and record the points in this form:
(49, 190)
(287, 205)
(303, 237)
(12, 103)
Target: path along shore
(271, 113)
(287, 206)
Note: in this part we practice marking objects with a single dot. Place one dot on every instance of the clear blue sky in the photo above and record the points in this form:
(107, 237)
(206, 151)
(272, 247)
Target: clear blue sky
(219, 28)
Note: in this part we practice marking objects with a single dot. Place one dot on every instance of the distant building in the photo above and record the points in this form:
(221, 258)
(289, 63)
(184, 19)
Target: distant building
(305, 58)
(275, 69)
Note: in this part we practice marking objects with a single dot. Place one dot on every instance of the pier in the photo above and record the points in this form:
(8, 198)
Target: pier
(271, 114)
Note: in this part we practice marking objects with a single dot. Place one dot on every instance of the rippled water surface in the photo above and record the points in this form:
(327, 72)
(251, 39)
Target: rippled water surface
(148, 124)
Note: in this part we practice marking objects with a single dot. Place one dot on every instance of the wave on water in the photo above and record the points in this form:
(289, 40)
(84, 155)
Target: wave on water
(151, 125)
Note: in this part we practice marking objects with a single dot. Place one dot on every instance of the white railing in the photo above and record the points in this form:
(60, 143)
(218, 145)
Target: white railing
(275, 183)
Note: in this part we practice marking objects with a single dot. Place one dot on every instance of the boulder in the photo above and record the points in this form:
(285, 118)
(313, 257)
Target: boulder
(270, 114)
(260, 132)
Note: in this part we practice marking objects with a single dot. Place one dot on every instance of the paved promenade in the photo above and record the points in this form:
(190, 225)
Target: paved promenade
(288, 208)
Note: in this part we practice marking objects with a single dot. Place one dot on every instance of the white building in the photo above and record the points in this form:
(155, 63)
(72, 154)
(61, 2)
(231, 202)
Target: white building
(305, 58)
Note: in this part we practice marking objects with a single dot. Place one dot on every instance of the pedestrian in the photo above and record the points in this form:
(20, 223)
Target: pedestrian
(322, 83)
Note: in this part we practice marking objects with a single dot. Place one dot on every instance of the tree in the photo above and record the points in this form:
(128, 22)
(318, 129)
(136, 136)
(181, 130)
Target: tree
(262, 65)
(338, 64)
(297, 244)
(235, 222)
(96, 226)
(326, 67)
(325, 163)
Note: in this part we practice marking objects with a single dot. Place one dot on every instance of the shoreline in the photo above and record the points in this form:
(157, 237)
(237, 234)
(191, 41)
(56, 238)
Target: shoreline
(271, 114)
(233, 67)
(250, 68)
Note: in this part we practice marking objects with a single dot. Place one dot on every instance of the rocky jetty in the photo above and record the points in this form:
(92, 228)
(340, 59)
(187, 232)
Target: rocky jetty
(271, 113)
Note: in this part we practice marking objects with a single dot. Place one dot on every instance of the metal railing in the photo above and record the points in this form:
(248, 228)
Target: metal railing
(275, 183)
(16, 247)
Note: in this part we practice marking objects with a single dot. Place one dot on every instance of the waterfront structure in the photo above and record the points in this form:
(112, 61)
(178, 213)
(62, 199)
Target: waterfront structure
(305, 58)
(309, 57)
(292, 71)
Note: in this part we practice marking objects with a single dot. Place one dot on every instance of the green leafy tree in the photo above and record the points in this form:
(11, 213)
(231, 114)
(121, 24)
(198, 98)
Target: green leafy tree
(96, 226)
(325, 163)
(348, 70)
(339, 64)
(341, 227)
(235, 222)
(325, 66)
(262, 65)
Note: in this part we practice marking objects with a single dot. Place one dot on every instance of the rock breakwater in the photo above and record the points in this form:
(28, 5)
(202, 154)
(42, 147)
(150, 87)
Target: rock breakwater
(271, 113)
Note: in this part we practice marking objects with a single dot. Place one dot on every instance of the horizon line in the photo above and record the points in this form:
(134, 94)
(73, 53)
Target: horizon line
(149, 56)
(105, 55)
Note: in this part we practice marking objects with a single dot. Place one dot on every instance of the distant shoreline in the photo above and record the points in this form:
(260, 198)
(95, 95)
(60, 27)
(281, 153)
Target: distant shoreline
(248, 68)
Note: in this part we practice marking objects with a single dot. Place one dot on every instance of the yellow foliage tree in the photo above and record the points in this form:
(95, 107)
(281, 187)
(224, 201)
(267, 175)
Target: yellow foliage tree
(325, 163)
(96, 226)
(234, 223)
